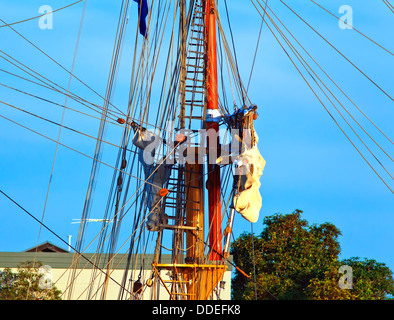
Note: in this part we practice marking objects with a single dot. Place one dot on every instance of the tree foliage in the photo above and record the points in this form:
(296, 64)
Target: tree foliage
(28, 283)
(295, 260)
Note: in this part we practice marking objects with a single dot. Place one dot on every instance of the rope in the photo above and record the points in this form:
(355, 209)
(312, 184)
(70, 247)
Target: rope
(51, 231)
(46, 82)
(257, 47)
(254, 262)
(389, 5)
(353, 28)
(320, 99)
(336, 85)
(36, 17)
(331, 45)
(60, 65)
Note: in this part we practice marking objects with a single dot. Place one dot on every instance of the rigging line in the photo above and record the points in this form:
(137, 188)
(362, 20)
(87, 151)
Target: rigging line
(154, 66)
(334, 95)
(114, 200)
(178, 93)
(233, 71)
(61, 105)
(173, 75)
(339, 102)
(389, 5)
(168, 79)
(239, 83)
(137, 79)
(221, 64)
(146, 181)
(248, 278)
(47, 85)
(141, 71)
(54, 103)
(233, 63)
(60, 65)
(135, 229)
(46, 82)
(254, 262)
(68, 147)
(102, 128)
(113, 269)
(388, 2)
(334, 81)
(230, 62)
(55, 234)
(353, 27)
(322, 103)
(190, 28)
(62, 119)
(222, 48)
(123, 214)
(93, 279)
(291, 47)
(257, 47)
(121, 218)
(235, 53)
(143, 67)
(100, 232)
(58, 138)
(300, 57)
(347, 59)
(63, 126)
(36, 17)
(183, 47)
(229, 78)
(229, 171)
(225, 181)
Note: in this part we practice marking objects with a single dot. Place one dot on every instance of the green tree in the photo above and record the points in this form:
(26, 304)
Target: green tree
(295, 260)
(372, 280)
(28, 283)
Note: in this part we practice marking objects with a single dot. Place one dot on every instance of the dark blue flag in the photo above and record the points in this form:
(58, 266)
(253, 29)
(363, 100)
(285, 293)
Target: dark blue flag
(142, 13)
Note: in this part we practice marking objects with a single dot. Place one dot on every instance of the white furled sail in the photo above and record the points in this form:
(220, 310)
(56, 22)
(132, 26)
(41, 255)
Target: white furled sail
(250, 165)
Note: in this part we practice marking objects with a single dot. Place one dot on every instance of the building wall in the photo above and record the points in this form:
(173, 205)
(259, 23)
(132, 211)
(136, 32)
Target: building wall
(60, 273)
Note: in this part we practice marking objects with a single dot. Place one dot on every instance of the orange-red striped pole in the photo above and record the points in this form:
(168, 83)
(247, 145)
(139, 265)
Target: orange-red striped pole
(213, 183)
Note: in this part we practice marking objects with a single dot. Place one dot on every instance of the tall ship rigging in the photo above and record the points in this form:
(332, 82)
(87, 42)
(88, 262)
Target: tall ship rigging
(187, 164)
(185, 197)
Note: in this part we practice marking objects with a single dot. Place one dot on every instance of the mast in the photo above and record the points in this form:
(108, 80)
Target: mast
(212, 126)
(193, 277)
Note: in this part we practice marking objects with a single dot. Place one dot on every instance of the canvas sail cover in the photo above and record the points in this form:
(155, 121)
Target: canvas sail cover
(143, 138)
(249, 168)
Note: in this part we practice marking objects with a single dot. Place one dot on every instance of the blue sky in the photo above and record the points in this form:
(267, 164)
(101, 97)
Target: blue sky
(310, 164)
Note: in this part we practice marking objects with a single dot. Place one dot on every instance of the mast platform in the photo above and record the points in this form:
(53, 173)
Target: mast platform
(191, 281)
